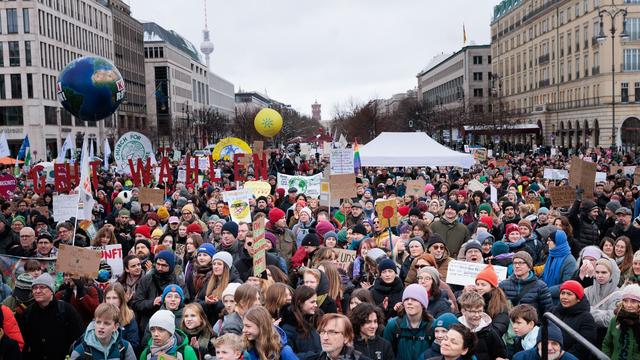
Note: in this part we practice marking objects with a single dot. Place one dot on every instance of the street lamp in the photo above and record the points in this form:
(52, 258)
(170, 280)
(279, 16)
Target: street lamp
(612, 12)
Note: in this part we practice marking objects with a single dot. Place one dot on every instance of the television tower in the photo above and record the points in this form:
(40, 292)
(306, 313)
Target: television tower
(206, 46)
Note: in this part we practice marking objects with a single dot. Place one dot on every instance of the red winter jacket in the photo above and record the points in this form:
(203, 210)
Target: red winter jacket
(299, 258)
(86, 305)
(10, 326)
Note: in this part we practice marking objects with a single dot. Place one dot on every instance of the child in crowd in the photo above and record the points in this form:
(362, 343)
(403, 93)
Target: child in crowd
(523, 321)
(228, 347)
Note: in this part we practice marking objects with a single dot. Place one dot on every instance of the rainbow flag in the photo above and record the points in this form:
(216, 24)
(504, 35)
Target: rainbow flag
(356, 157)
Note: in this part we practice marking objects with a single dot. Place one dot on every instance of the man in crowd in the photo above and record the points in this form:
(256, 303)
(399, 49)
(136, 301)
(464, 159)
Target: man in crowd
(453, 232)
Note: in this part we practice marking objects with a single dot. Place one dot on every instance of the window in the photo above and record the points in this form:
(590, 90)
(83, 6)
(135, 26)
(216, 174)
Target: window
(636, 91)
(633, 28)
(561, 17)
(477, 93)
(631, 60)
(30, 86)
(65, 117)
(478, 108)
(477, 76)
(577, 8)
(27, 52)
(1, 54)
(477, 60)
(489, 59)
(585, 6)
(25, 20)
(50, 115)
(11, 115)
(16, 86)
(3, 94)
(12, 21)
(624, 92)
(14, 53)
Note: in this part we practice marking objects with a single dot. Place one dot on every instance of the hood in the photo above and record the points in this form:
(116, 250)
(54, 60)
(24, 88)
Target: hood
(91, 340)
(283, 335)
(484, 322)
(590, 247)
(481, 237)
(598, 292)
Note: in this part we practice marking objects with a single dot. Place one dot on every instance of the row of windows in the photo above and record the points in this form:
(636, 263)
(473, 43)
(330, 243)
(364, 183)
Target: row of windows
(624, 92)
(156, 52)
(13, 24)
(15, 86)
(14, 53)
(81, 11)
(11, 116)
(448, 92)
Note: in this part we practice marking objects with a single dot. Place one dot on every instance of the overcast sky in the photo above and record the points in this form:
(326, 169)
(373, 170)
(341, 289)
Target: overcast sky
(335, 51)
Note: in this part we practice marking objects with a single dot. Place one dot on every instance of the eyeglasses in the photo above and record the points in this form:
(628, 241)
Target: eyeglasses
(437, 247)
(518, 263)
(331, 333)
(420, 266)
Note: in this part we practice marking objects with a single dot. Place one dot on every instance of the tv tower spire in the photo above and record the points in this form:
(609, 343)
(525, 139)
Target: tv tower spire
(206, 46)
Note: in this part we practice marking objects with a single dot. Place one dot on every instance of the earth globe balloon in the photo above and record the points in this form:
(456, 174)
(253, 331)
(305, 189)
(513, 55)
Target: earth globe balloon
(268, 122)
(91, 88)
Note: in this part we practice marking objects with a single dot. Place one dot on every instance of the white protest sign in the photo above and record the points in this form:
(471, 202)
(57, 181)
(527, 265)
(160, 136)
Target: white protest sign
(112, 254)
(494, 194)
(134, 146)
(203, 163)
(308, 185)
(238, 201)
(475, 185)
(556, 174)
(341, 161)
(601, 176)
(65, 207)
(464, 273)
(182, 176)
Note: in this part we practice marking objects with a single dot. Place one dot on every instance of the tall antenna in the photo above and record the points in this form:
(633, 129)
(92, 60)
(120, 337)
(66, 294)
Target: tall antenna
(206, 46)
(205, 15)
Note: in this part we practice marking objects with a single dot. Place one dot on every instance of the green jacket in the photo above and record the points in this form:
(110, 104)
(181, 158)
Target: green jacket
(454, 234)
(183, 348)
(612, 347)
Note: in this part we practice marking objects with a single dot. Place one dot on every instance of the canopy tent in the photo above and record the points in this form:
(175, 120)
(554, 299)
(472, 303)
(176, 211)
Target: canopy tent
(9, 161)
(410, 149)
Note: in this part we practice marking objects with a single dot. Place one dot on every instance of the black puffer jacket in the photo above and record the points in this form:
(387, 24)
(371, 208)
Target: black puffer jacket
(585, 230)
(377, 348)
(381, 290)
(537, 295)
(579, 318)
(151, 286)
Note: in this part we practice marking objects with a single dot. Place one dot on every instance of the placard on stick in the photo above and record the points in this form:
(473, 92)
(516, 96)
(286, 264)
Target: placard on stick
(342, 186)
(561, 196)
(260, 247)
(78, 261)
(151, 196)
(583, 174)
(387, 212)
(416, 187)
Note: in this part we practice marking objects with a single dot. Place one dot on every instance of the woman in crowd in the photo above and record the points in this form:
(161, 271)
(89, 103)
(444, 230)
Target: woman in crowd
(607, 246)
(425, 259)
(262, 339)
(245, 297)
(387, 288)
(429, 278)
(497, 305)
(366, 320)
(575, 311)
(299, 322)
(441, 325)
(360, 268)
(560, 264)
(359, 296)
(458, 344)
(623, 253)
(194, 241)
(196, 326)
(318, 281)
(623, 335)
(604, 294)
(277, 296)
(632, 276)
(220, 277)
(103, 237)
(131, 276)
(114, 294)
(198, 271)
(335, 291)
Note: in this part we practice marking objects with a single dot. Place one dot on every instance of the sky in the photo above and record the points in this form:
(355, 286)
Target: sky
(337, 52)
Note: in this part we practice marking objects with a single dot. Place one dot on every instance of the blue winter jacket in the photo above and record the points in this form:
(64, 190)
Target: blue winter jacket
(537, 295)
(532, 354)
(286, 353)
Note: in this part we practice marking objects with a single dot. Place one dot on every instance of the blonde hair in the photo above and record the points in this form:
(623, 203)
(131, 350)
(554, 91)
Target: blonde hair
(335, 284)
(217, 284)
(231, 340)
(267, 345)
(126, 314)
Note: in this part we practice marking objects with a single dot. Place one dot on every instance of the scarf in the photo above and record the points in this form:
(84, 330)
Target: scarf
(202, 334)
(171, 347)
(628, 321)
(551, 274)
(517, 244)
(200, 275)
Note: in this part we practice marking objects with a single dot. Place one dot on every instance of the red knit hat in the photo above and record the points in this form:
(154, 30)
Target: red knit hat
(404, 210)
(489, 275)
(574, 287)
(194, 228)
(275, 214)
(487, 220)
(143, 230)
(509, 229)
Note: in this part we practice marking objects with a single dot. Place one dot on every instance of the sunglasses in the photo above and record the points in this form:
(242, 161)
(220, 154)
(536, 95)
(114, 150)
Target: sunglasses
(420, 266)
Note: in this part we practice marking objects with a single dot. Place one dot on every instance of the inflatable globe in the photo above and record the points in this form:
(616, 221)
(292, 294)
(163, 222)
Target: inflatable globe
(268, 122)
(91, 88)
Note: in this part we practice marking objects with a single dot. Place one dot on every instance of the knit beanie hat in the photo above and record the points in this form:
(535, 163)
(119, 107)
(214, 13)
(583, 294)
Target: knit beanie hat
(524, 256)
(506, 205)
(144, 242)
(375, 254)
(189, 208)
(169, 257)
(416, 239)
(499, 248)
(543, 210)
(157, 233)
(613, 205)
(554, 332)
(431, 271)
(143, 230)
(636, 256)
(173, 288)
(526, 223)
(359, 229)
(489, 275)
(330, 234)
(46, 280)
(323, 227)
(231, 227)
(573, 286)
(404, 210)
(509, 229)
(416, 292)
(230, 290)
(488, 221)
(472, 245)
(272, 238)
(591, 251)
(163, 319)
(163, 213)
(415, 211)
(19, 218)
(444, 321)
(387, 264)
(223, 256)
(275, 214)
(24, 281)
(452, 205)
(194, 228)
(435, 239)
(631, 292)
(306, 210)
(206, 248)
(485, 237)
(484, 207)
(311, 239)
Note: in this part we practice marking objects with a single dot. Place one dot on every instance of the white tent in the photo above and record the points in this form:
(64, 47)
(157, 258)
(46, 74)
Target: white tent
(410, 149)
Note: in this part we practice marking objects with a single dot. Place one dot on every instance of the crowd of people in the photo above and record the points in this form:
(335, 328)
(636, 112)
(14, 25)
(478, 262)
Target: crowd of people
(188, 288)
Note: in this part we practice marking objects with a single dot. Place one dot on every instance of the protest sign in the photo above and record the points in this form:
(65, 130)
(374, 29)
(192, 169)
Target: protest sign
(464, 273)
(475, 185)
(89, 228)
(260, 247)
(345, 258)
(110, 260)
(238, 201)
(258, 188)
(494, 194)
(387, 211)
(341, 161)
(64, 207)
(78, 261)
(308, 185)
(416, 187)
(151, 196)
(182, 176)
(132, 146)
(561, 196)
(555, 174)
(325, 199)
(583, 174)
(601, 176)
(480, 154)
(342, 186)
(8, 185)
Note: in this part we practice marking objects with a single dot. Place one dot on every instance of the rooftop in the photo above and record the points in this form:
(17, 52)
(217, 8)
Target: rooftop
(443, 58)
(154, 32)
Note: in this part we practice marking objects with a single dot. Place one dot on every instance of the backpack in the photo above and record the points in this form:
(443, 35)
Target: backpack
(397, 334)
(87, 355)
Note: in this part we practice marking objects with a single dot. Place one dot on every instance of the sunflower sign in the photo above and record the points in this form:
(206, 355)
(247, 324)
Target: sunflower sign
(227, 147)
(238, 201)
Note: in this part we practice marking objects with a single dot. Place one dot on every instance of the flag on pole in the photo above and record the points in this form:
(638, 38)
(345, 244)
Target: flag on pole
(24, 153)
(4, 146)
(464, 35)
(107, 154)
(85, 200)
(66, 146)
(356, 157)
(91, 151)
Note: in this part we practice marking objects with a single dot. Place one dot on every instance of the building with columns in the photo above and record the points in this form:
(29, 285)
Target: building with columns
(552, 67)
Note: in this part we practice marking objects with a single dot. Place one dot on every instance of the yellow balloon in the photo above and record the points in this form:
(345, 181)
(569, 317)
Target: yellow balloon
(268, 122)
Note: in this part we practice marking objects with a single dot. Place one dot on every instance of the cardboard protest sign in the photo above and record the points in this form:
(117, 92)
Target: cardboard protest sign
(480, 154)
(387, 211)
(345, 258)
(555, 174)
(416, 187)
(258, 188)
(464, 273)
(583, 174)
(561, 196)
(238, 201)
(65, 207)
(78, 261)
(260, 246)
(151, 196)
(342, 186)
(308, 185)
(476, 185)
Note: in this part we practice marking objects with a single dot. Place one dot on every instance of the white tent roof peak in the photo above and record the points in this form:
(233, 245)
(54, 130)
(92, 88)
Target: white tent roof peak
(411, 149)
